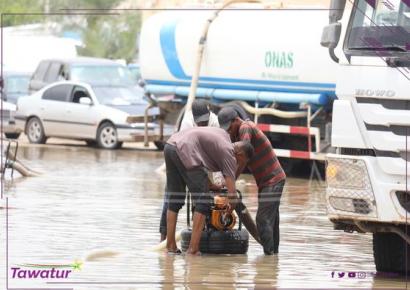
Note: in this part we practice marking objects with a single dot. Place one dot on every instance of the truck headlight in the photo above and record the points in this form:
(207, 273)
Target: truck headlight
(347, 173)
(349, 191)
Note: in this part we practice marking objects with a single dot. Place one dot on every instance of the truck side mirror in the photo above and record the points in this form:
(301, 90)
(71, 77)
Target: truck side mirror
(336, 10)
(330, 38)
(331, 35)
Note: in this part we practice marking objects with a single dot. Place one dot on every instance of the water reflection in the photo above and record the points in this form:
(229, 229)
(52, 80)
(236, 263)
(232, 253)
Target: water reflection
(95, 199)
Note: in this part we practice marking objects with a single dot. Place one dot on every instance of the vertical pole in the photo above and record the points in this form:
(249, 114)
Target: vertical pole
(309, 111)
(255, 119)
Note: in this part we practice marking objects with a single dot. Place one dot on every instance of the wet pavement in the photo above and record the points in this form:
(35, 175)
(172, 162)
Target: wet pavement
(98, 200)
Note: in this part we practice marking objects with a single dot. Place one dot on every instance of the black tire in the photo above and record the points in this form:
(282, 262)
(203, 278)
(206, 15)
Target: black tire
(12, 135)
(91, 143)
(35, 131)
(390, 254)
(219, 242)
(107, 137)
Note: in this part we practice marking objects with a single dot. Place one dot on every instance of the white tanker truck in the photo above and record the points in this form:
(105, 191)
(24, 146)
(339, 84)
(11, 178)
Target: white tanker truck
(268, 61)
(368, 180)
(272, 60)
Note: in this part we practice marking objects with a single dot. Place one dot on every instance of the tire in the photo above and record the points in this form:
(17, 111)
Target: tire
(390, 253)
(219, 242)
(35, 131)
(91, 143)
(12, 135)
(107, 137)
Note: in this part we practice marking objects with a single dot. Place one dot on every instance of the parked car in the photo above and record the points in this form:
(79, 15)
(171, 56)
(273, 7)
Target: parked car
(8, 127)
(94, 71)
(15, 85)
(98, 114)
(135, 71)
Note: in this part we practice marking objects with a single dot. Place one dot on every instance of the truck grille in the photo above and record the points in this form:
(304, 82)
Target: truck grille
(387, 123)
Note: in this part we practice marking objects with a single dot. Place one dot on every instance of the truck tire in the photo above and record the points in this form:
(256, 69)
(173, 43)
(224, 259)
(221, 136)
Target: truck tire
(390, 253)
(218, 242)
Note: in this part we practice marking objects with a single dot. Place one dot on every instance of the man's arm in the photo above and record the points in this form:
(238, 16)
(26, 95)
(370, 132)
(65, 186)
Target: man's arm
(245, 134)
(232, 196)
(239, 170)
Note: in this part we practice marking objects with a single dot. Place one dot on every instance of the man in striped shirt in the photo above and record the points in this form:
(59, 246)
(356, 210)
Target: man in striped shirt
(268, 174)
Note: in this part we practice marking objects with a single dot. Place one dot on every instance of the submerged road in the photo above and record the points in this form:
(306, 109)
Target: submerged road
(91, 200)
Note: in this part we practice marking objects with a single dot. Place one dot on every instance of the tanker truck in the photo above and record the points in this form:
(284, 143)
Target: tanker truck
(269, 61)
(368, 177)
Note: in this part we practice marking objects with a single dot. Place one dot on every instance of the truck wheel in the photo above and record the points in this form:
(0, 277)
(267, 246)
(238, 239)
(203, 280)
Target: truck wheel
(12, 135)
(107, 137)
(35, 131)
(218, 242)
(390, 253)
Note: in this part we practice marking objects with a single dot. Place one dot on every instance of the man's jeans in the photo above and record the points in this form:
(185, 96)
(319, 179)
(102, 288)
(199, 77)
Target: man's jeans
(267, 217)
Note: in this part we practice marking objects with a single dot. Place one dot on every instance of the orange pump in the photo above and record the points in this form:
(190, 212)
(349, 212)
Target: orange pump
(221, 219)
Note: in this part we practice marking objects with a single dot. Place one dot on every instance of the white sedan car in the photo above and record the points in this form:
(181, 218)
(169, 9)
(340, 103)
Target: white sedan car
(75, 110)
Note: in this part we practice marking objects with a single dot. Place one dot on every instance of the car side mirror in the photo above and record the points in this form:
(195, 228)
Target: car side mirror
(85, 101)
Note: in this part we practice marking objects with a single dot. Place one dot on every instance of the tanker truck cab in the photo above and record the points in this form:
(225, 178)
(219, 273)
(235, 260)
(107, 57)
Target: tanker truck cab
(368, 186)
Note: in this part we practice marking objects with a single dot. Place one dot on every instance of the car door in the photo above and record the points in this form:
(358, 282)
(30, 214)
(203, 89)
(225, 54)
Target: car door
(53, 107)
(82, 119)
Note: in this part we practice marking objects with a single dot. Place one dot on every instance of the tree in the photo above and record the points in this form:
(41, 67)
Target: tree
(20, 6)
(112, 36)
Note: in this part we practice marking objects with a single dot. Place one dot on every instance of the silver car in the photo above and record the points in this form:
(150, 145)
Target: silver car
(100, 115)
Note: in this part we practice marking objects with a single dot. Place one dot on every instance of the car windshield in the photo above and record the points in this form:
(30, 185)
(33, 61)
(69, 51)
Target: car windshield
(135, 72)
(380, 25)
(117, 96)
(17, 84)
(110, 75)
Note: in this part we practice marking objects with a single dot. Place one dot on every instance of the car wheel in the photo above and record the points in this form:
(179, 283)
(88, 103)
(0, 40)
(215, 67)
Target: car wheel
(107, 137)
(35, 131)
(12, 135)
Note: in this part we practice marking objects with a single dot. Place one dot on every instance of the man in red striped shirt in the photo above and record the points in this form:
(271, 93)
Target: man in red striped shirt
(267, 171)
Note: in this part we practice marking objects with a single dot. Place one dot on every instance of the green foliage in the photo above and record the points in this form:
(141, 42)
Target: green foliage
(18, 7)
(112, 36)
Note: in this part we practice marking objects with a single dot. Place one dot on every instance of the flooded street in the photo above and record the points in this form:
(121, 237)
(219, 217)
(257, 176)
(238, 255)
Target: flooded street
(89, 199)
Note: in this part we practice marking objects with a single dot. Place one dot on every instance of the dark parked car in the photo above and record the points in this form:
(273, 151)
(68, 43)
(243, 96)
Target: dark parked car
(94, 71)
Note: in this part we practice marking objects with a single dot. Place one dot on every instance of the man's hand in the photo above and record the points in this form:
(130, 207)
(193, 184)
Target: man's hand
(233, 202)
(215, 187)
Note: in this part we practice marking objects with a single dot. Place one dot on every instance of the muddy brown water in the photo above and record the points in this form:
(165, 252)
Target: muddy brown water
(89, 199)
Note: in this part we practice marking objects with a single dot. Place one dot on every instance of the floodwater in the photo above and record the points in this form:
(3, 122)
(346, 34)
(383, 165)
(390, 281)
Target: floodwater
(92, 200)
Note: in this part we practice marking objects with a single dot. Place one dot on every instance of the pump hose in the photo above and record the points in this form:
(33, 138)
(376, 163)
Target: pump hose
(201, 47)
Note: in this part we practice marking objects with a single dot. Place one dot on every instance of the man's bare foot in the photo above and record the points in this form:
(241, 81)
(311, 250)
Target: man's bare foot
(193, 253)
(174, 252)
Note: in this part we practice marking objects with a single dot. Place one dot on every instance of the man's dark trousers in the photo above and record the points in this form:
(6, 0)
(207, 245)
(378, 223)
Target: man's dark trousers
(267, 217)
